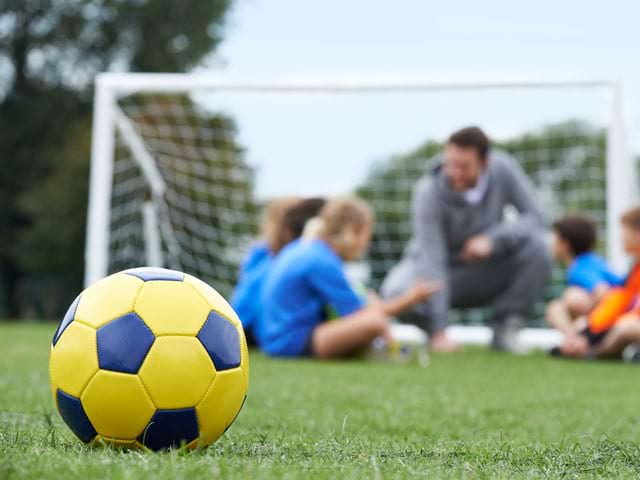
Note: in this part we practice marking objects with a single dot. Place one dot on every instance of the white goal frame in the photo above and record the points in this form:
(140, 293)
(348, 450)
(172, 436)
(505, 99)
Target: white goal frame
(108, 118)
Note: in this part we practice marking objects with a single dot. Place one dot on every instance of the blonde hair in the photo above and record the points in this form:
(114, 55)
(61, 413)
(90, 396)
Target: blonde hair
(273, 231)
(343, 212)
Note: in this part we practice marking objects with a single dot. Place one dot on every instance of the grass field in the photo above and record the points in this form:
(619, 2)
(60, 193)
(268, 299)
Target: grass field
(475, 414)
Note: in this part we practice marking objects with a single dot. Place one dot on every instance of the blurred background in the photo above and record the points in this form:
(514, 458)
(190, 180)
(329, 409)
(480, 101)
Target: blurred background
(51, 50)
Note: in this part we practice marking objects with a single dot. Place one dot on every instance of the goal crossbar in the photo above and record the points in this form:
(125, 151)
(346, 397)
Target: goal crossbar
(125, 83)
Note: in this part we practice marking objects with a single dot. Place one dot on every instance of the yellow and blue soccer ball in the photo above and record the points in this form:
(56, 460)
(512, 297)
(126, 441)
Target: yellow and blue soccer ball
(149, 357)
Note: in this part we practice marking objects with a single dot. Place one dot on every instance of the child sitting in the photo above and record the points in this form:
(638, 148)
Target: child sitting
(285, 219)
(308, 275)
(615, 322)
(588, 275)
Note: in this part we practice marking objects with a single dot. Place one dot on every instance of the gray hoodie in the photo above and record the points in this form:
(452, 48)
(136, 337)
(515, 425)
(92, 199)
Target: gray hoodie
(443, 219)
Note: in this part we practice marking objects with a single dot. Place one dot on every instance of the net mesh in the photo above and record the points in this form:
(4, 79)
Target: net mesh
(209, 213)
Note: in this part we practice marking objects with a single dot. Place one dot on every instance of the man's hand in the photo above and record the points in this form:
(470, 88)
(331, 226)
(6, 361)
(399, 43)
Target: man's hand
(575, 346)
(477, 247)
(422, 290)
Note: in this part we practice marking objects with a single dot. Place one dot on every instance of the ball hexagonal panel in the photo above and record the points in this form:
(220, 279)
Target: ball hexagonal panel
(66, 320)
(108, 299)
(176, 372)
(171, 308)
(74, 359)
(74, 416)
(152, 273)
(117, 405)
(220, 406)
(123, 344)
(214, 299)
(170, 428)
(221, 340)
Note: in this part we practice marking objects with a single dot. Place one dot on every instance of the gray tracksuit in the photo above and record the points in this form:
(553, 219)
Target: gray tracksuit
(510, 280)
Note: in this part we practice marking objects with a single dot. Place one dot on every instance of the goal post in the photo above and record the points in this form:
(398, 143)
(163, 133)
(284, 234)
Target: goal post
(100, 182)
(158, 226)
(622, 185)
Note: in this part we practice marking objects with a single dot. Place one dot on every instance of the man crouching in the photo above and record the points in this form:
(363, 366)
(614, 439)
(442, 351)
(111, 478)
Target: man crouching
(462, 238)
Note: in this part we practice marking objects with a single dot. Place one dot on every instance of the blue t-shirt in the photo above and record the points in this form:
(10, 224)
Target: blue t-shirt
(589, 270)
(302, 281)
(258, 253)
(246, 296)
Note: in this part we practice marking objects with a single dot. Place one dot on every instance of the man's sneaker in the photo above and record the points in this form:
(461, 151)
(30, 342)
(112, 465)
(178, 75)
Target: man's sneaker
(505, 335)
(631, 353)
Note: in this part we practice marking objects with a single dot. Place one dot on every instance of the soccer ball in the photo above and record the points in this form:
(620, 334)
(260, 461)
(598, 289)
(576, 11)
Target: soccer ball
(149, 357)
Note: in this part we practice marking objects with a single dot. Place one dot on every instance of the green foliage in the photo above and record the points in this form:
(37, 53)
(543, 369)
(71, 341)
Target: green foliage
(475, 414)
(64, 43)
(50, 51)
(570, 156)
(51, 249)
(33, 145)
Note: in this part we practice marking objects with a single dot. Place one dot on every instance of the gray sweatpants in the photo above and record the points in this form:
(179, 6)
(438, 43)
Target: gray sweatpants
(510, 283)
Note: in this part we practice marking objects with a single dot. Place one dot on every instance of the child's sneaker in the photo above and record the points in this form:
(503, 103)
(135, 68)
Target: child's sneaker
(410, 345)
(631, 353)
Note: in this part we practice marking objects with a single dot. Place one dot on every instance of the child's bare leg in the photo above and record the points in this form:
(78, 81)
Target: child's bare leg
(578, 301)
(625, 332)
(562, 312)
(580, 323)
(343, 336)
(558, 316)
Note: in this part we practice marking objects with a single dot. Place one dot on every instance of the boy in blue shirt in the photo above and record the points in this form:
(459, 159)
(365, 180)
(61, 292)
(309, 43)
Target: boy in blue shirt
(588, 275)
(308, 276)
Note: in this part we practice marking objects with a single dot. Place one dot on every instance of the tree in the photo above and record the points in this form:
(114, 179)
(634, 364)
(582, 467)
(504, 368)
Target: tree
(50, 50)
(64, 43)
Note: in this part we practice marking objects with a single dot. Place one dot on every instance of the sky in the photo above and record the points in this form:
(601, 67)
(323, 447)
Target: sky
(309, 144)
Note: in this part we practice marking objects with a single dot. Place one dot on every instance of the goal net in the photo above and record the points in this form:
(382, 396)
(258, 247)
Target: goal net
(183, 164)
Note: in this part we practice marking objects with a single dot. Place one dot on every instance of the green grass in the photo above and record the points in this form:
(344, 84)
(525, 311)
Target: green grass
(473, 415)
